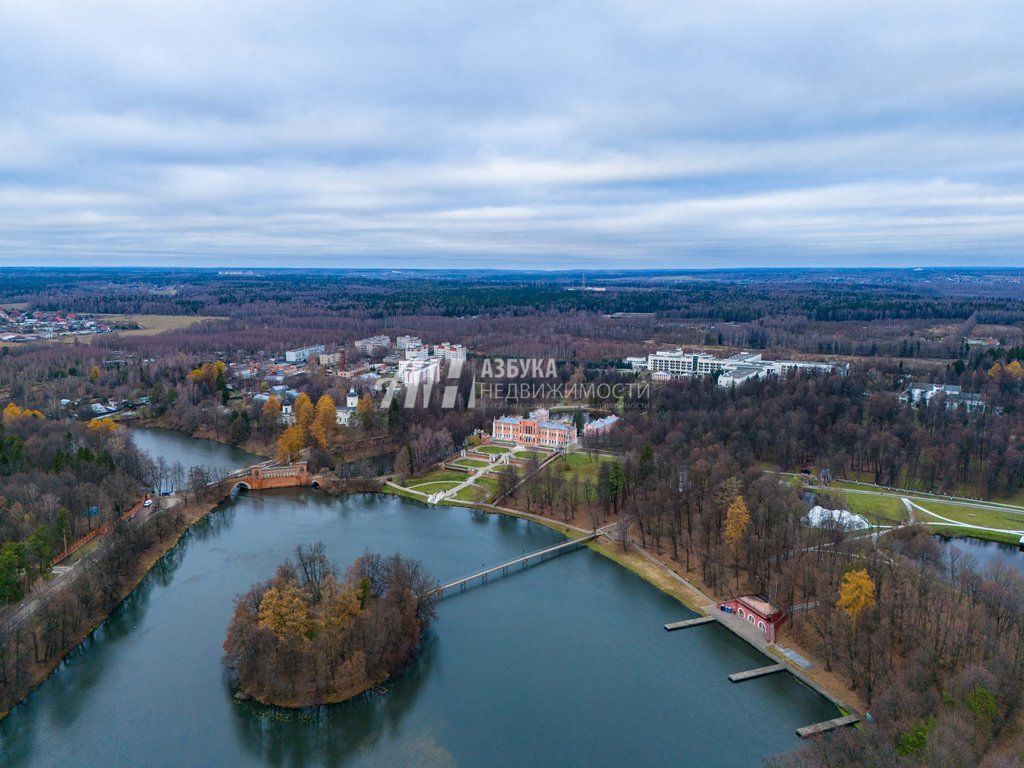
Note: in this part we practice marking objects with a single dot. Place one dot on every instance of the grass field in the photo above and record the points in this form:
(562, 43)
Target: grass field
(149, 325)
(433, 487)
(471, 463)
(580, 465)
(494, 450)
(877, 509)
(438, 476)
(990, 518)
(539, 455)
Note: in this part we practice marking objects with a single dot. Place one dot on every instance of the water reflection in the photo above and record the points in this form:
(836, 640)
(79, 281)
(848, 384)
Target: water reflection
(577, 639)
(331, 735)
(986, 553)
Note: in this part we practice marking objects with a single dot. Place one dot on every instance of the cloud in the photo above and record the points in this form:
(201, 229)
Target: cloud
(557, 134)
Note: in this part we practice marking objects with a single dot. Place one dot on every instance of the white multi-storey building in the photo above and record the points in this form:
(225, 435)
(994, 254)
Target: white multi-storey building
(422, 369)
(303, 354)
(450, 352)
(373, 346)
(407, 342)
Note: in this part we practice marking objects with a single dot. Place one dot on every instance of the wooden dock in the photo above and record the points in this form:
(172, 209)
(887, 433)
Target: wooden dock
(690, 623)
(827, 725)
(750, 674)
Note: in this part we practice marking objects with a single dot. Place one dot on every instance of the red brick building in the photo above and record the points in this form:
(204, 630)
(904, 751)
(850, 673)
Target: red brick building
(531, 431)
(761, 614)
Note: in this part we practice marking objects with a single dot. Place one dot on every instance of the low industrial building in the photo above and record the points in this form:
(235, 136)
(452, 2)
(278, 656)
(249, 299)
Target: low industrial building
(731, 371)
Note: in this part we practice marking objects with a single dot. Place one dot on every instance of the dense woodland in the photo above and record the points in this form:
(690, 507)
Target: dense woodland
(307, 637)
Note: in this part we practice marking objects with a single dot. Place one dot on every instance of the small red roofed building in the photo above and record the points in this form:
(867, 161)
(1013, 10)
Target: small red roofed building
(760, 614)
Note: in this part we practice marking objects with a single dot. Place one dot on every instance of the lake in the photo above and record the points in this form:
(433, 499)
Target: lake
(563, 664)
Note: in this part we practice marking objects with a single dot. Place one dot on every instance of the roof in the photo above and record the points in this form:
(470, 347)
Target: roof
(762, 607)
(553, 425)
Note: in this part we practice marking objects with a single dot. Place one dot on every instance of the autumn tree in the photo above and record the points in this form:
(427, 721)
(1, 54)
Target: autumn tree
(856, 594)
(304, 412)
(737, 519)
(283, 610)
(324, 421)
(291, 443)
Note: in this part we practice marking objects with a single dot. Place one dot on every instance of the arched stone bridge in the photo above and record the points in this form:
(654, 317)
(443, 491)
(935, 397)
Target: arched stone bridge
(272, 475)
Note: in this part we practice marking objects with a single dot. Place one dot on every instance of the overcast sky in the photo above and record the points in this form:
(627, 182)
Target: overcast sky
(537, 134)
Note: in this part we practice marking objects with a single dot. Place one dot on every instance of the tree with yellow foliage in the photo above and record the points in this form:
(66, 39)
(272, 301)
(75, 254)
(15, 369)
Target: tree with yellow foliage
(271, 412)
(13, 412)
(994, 371)
(284, 611)
(304, 412)
(102, 425)
(325, 420)
(737, 519)
(1016, 370)
(291, 443)
(94, 374)
(213, 376)
(856, 595)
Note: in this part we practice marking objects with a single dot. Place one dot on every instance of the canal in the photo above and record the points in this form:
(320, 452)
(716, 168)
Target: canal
(564, 664)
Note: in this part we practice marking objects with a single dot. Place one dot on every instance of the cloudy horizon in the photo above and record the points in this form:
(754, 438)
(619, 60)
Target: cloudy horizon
(563, 135)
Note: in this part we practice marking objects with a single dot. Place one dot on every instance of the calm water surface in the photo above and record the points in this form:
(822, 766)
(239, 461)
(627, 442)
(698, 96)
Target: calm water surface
(986, 553)
(176, 446)
(564, 664)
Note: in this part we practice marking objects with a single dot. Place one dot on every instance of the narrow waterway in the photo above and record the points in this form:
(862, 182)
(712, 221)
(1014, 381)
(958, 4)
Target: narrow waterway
(563, 664)
(178, 448)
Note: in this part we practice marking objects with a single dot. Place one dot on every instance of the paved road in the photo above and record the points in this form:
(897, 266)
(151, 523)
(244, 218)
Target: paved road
(67, 574)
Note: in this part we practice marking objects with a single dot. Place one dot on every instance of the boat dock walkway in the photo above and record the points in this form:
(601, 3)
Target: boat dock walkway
(750, 674)
(827, 725)
(690, 623)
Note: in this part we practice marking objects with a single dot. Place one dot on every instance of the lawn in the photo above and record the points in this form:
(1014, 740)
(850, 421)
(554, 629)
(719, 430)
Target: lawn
(877, 509)
(580, 465)
(540, 455)
(429, 488)
(990, 518)
(438, 476)
(494, 450)
(487, 482)
(471, 462)
(472, 493)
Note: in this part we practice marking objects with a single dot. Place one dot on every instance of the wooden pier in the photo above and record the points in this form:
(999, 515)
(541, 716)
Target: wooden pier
(827, 725)
(524, 561)
(750, 674)
(690, 623)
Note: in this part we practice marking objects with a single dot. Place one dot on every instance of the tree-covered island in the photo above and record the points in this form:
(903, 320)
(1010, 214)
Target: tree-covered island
(307, 637)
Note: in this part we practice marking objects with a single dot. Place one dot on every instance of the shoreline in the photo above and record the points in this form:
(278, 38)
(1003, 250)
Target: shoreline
(676, 586)
(146, 562)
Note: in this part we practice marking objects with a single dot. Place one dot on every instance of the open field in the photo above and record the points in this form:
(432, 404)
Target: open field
(149, 325)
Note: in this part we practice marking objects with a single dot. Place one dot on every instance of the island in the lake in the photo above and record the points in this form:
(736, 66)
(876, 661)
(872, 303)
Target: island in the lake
(307, 637)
